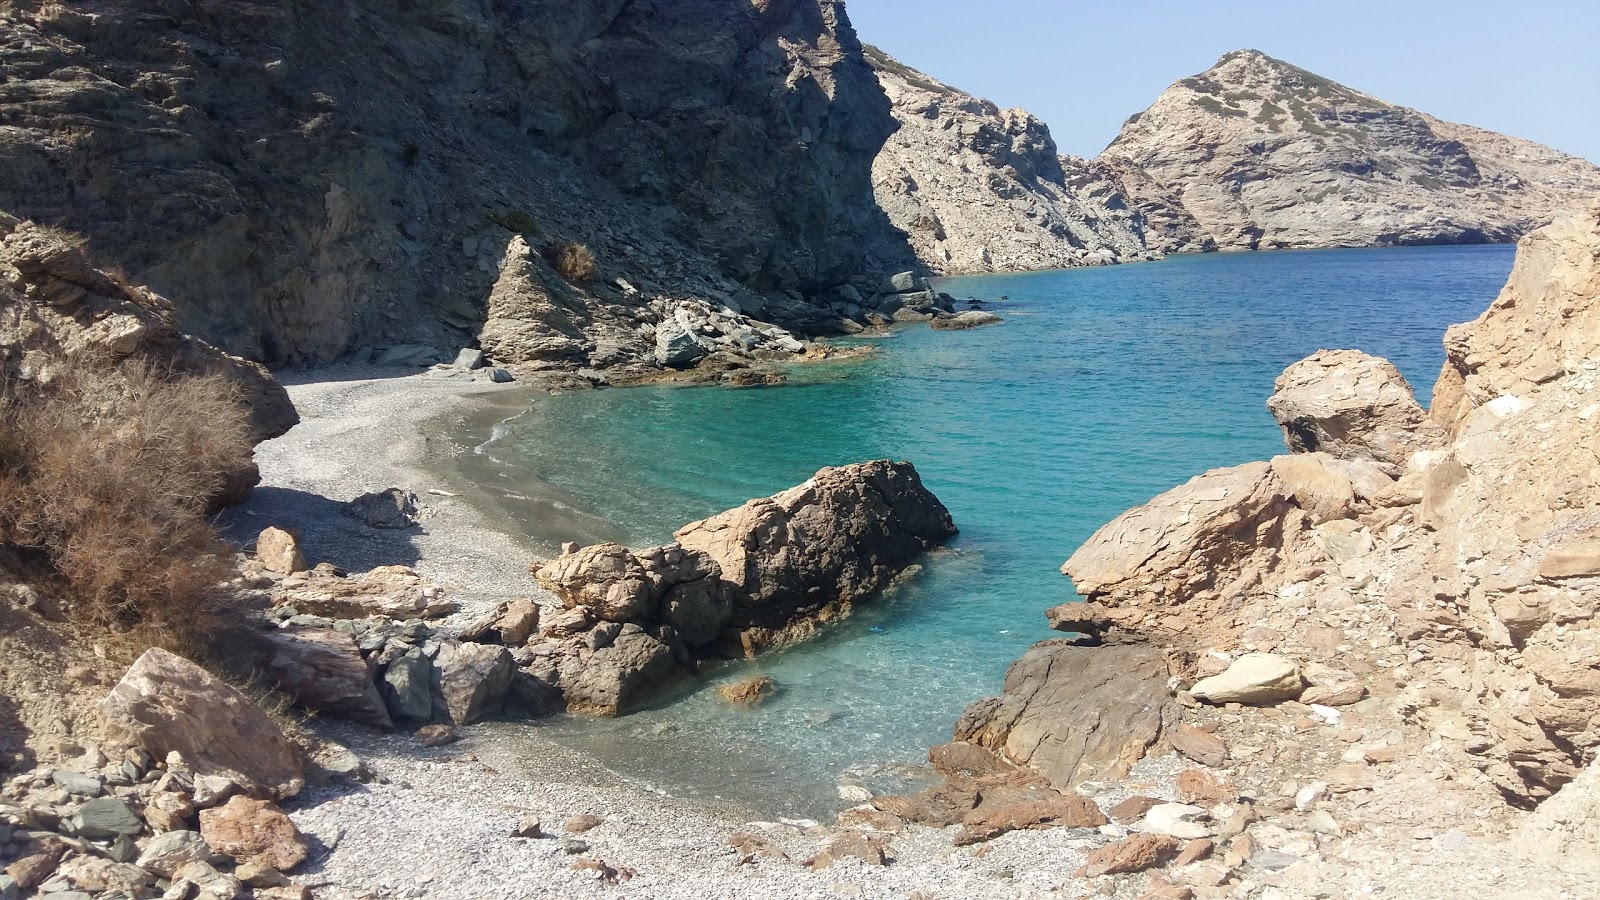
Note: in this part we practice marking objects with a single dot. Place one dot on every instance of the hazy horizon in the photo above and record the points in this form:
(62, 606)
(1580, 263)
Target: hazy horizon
(1085, 68)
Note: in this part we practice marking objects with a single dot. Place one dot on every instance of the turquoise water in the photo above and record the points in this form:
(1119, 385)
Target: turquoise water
(1102, 388)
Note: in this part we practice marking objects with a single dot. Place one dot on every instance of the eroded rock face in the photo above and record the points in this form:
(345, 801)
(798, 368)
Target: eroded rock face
(1261, 154)
(295, 211)
(982, 189)
(1478, 566)
(1073, 713)
(166, 703)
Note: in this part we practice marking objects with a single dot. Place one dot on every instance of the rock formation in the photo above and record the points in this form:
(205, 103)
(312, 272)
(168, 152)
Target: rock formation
(298, 200)
(1255, 153)
(1451, 565)
(981, 189)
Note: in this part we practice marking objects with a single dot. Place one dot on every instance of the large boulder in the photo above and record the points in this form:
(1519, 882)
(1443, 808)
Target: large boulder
(167, 704)
(813, 551)
(1352, 406)
(606, 578)
(473, 681)
(616, 678)
(322, 669)
(392, 592)
(1257, 678)
(1074, 713)
(254, 831)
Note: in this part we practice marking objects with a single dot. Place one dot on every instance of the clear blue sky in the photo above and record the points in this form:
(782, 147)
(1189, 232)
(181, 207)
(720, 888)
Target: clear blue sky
(1529, 68)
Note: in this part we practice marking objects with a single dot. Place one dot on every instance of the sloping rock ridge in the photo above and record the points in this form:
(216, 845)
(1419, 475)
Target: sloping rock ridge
(305, 180)
(1256, 153)
(1450, 565)
(982, 189)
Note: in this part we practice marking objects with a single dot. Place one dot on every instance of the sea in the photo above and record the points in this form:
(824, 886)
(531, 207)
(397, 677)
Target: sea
(1102, 388)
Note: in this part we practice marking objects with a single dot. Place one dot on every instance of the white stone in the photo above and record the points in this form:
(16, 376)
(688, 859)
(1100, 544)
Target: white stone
(1252, 678)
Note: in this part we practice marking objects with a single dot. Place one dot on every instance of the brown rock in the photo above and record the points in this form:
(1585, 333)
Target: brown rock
(437, 735)
(1352, 406)
(1002, 809)
(322, 669)
(509, 624)
(581, 823)
(394, 592)
(31, 871)
(528, 827)
(166, 703)
(279, 551)
(867, 848)
(869, 819)
(1075, 713)
(966, 760)
(473, 680)
(1135, 853)
(1204, 788)
(253, 831)
(1202, 747)
(1341, 693)
(749, 692)
(1194, 851)
(1131, 809)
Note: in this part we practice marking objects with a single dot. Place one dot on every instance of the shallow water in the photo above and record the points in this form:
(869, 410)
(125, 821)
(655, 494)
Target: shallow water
(1103, 387)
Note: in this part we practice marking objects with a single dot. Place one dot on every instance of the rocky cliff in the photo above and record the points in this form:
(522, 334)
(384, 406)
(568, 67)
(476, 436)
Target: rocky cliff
(982, 189)
(305, 179)
(1260, 154)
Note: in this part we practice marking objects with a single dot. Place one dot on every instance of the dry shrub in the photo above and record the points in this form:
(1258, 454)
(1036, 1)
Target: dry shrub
(105, 477)
(574, 262)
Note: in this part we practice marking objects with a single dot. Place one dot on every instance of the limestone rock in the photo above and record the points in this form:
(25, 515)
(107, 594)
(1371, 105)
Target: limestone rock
(393, 592)
(279, 551)
(1352, 406)
(167, 704)
(473, 680)
(322, 669)
(1259, 153)
(1075, 713)
(1565, 830)
(1252, 678)
(254, 831)
(1177, 819)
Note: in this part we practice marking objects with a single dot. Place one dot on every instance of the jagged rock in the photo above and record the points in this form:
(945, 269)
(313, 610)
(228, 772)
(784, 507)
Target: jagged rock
(391, 592)
(90, 873)
(606, 578)
(850, 844)
(964, 760)
(509, 623)
(1075, 713)
(279, 551)
(1564, 831)
(1352, 406)
(31, 871)
(1134, 853)
(167, 704)
(617, 677)
(388, 508)
(1258, 153)
(407, 686)
(322, 669)
(810, 553)
(473, 681)
(677, 347)
(254, 831)
(962, 321)
(1002, 809)
(1198, 786)
(1252, 678)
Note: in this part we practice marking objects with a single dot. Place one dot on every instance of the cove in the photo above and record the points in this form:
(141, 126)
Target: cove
(1102, 388)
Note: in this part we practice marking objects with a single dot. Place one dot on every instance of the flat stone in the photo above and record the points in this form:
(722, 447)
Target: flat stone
(166, 853)
(1136, 853)
(1254, 678)
(106, 818)
(74, 783)
(1202, 747)
(1176, 819)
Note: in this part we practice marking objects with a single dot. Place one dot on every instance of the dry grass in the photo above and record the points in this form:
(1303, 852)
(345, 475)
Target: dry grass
(105, 477)
(574, 262)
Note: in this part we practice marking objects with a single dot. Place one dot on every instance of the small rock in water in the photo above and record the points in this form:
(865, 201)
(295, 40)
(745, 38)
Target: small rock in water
(749, 692)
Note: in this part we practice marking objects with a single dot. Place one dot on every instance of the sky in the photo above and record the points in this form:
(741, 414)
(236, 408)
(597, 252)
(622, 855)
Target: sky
(1529, 68)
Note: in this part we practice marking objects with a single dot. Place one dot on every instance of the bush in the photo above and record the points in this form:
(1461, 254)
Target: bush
(105, 477)
(574, 262)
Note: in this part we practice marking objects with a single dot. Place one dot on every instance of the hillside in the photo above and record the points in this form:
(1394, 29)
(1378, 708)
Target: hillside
(1262, 154)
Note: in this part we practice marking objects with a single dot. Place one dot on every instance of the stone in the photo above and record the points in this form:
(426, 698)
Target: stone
(30, 871)
(1177, 819)
(254, 831)
(388, 508)
(1135, 853)
(1342, 693)
(210, 881)
(1564, 831)
(509, 623)
(582, 823)
(168, 852)
(322, 669)
(106, 818)
(852, 845)
(1352, 406)
(1193, 852)
(497, 375)
(279, 551)
(1000, 811)
(748, 692)
(75, 783)
(1201, 787)
(1132, 809)
(1075, 713)
(605, 578)
(469, 359)
(962, 321)
(407, 687)
(619, 677)
(437, 735)
(1205, 749)
(677, 347)
(473, 680)
(392, 592)
(256, 875)
(961, 759)
(528, 827)
(1253, 678)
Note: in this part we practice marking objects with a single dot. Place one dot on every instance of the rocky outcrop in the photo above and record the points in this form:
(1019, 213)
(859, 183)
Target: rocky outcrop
(62, 319)
(981, 189)
(1462, 561)
(306, 181)
(769, 573)
(168, 705)
(1256, 153)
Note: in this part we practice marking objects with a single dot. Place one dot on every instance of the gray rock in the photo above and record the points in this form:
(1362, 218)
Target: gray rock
(407, 687)
(106, 818)
(75, 783)
(389, 508)
(473, 681)
(409, 355)
(498, 375)
(676, 346)
(8, 888)
(901, 283)
(322, 669)
(469, 359)
(1273, 860)
(964, 320)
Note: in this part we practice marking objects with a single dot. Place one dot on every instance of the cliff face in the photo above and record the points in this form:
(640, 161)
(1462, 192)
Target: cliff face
(304, 179)
(982, 189)
(1262, 154)
(1447, 564)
